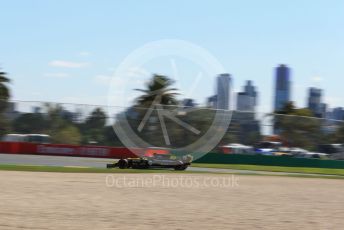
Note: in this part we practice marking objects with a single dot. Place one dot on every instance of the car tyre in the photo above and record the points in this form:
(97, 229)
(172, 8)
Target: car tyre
(180, 167)
(123, 164)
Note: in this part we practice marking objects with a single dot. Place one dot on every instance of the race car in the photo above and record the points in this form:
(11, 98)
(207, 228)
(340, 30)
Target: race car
(156, 161)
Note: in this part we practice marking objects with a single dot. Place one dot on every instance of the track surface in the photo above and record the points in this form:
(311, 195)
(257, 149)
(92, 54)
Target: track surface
(70, 201)
(16, 159)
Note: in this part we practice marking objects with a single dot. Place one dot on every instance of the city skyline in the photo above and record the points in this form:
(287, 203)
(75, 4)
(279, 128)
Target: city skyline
(248, 97)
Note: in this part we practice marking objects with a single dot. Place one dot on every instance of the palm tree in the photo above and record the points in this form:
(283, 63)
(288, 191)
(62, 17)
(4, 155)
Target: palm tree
(4, 91)
(158, 91)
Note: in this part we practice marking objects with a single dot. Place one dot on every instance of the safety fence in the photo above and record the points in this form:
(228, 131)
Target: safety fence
(121, 152)
(67, 150)
(287, 161)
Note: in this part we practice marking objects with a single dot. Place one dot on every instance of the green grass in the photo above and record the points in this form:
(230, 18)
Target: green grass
(338, 172)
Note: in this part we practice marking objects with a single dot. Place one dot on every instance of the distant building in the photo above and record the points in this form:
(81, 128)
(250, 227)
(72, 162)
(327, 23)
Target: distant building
(323, 110)
(224, 82)
(212, 102)
(247, 100)
(251, 91)
(36, 109)
(282, 87)
(331, 126)
(11, 112)
(68, 115)
(188, 102)
(338, 113)
(245, 128)
(314, 102)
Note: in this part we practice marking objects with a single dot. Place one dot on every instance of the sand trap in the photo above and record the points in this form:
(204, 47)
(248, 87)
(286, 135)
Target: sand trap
(139, 201)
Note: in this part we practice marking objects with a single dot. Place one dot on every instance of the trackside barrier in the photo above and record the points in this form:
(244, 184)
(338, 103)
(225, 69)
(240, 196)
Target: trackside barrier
(121, 152)
(215, 158)
(67, 150)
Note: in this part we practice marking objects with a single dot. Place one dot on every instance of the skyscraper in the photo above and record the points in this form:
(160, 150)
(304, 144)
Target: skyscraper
(282, 87)
(314, 101)
(247, 100)
(251, 91)
(223, 91)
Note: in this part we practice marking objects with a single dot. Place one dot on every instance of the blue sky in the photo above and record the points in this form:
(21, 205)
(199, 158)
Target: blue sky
(67, 51)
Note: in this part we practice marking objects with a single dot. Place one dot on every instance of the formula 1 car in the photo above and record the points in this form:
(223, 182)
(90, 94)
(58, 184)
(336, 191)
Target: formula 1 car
(156, 161)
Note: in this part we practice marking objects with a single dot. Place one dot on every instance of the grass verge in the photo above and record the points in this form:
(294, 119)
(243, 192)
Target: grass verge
(323, 171)
(336, 173)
